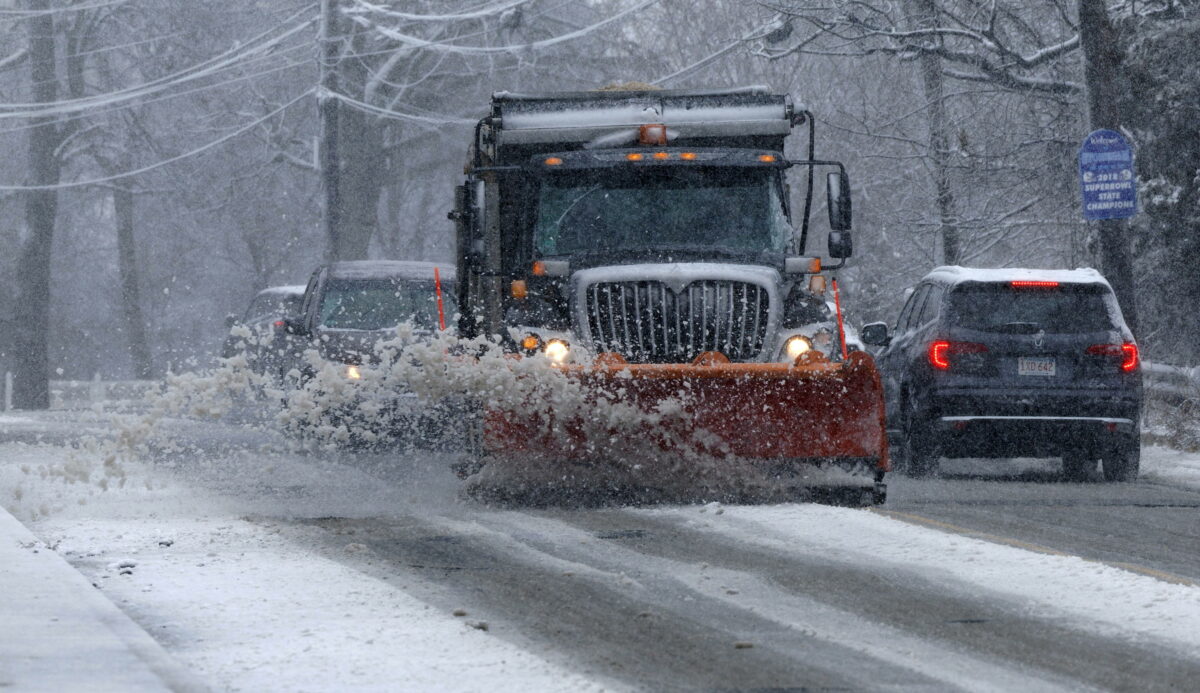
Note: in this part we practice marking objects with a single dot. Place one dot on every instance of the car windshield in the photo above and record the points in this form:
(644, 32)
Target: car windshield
(1002, 308)
(731, 209)
(273, 305)
(377, 304)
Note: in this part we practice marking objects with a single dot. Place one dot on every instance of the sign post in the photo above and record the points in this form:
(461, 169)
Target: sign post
(1106, 176)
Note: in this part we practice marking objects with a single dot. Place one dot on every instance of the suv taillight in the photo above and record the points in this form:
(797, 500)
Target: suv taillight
(941, 351)
(1127, 352)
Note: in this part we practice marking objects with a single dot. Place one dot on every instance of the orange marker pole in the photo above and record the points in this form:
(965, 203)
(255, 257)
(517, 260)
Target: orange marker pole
(837, 303)
(437, 286)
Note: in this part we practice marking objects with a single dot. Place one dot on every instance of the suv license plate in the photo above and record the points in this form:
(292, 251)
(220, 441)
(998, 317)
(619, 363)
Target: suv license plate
(1035, 366)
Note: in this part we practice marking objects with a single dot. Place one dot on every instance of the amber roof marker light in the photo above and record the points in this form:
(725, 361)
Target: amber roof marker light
(652, 134)
(553, 161)
(635, 156)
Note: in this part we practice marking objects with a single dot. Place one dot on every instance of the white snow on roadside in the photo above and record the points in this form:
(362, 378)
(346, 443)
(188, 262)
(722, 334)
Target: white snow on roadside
(1112, 600)
(241, 605)
(39, 479)
(1173, 466)
(252, 611)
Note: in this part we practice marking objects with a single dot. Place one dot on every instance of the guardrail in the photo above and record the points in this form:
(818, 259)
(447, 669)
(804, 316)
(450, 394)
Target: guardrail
(1176, 383)
(82, 394)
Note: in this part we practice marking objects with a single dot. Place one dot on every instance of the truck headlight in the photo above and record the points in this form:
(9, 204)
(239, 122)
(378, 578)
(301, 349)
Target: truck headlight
(353, 372)
(796, 345)
(557, 350)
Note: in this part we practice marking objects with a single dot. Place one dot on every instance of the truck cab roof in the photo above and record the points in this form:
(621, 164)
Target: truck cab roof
(746, 116)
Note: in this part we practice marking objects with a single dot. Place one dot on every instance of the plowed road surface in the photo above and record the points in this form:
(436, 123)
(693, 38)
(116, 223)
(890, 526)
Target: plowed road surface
(997, 576)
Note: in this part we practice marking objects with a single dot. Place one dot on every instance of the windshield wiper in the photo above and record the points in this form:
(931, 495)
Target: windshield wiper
(1014, 327)
(577, 200)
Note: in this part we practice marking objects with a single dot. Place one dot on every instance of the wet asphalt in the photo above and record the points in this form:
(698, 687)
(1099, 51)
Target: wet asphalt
(648, 601)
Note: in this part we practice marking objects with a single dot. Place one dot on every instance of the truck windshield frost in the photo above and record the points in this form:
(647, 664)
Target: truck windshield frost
(669, 208)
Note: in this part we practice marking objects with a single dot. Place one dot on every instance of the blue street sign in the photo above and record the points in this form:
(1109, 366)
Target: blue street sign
(1106, 176)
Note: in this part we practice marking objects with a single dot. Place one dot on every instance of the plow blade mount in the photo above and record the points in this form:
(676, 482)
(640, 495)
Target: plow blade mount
(813, 411)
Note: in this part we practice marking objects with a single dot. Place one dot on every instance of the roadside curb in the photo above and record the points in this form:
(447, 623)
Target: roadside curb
(59, 632)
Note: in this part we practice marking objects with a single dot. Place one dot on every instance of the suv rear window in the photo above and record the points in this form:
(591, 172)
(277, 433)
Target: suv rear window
(1065, 309)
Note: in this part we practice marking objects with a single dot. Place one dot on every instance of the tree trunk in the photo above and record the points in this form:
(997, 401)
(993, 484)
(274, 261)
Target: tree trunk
(131, 303)
(363, 164)
(329, 109)
(31, 388)
(362, 177)
(921, 14)
(1107, 87)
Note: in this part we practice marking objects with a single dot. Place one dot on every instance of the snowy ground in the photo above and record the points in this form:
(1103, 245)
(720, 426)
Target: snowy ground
(229, 558)
(1174, 466)
(246, 608)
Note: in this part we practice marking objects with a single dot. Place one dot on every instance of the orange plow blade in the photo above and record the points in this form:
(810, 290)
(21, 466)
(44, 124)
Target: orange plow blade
(811, 413)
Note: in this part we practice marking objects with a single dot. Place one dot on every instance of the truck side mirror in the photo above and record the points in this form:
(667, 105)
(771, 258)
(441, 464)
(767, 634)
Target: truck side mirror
(295, 326)
(837, 190)
(875, 334)
(840, 245)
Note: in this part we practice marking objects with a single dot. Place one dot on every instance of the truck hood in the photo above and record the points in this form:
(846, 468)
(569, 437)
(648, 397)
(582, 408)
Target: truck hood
(677, 275)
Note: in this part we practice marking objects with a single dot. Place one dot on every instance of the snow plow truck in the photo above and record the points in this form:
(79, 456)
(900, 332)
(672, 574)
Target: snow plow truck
(642, 241)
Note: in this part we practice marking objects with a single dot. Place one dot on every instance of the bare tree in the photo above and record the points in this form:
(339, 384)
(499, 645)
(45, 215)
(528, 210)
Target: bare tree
(31, 385)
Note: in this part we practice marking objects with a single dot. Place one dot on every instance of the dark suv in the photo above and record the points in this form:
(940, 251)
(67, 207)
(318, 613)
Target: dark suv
(268, 347)
(1012, 363)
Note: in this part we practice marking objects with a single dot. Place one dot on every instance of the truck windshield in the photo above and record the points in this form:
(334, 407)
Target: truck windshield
(377, 304)
(600, 211)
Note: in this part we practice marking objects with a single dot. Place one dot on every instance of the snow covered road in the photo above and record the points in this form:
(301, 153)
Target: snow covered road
(268, 570)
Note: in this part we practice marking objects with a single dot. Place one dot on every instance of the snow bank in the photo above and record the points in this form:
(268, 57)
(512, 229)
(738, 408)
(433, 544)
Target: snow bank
(1172, 466)
(249, 610)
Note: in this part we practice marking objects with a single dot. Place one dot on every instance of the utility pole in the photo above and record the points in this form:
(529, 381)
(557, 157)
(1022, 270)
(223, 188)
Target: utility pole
(31, 387)
(328, 107)
(922, 14)
(1106, 90)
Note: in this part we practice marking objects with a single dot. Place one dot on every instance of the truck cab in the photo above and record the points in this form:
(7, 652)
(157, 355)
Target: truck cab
(649, 226)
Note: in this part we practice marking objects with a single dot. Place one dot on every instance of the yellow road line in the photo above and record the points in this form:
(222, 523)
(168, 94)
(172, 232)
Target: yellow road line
(915, 519)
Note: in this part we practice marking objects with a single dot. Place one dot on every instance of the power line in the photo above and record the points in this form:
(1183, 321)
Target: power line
(411, 17)
(167, 97)
(18, 15)
(165, 162)
(436, 119)
(389, 51)
(188, 74)
(417, 42)
(267, 56)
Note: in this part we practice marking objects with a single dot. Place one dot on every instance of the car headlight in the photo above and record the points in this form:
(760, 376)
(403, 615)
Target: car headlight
(353, 372)
(557, 350)
(797, 345)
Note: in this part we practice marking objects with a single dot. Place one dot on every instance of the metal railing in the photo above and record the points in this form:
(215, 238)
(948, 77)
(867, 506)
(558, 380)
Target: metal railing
(82, 394)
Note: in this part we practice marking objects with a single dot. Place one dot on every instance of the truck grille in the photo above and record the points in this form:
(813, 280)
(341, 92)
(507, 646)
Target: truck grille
(647, 322)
